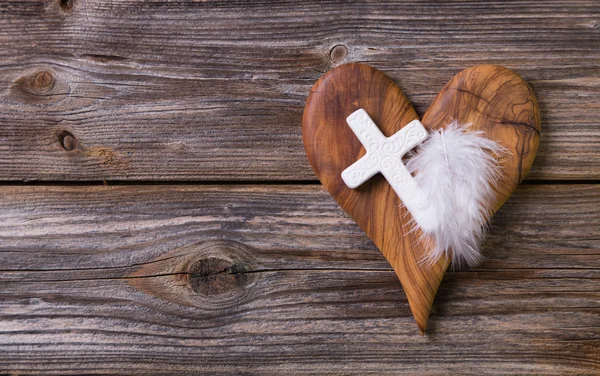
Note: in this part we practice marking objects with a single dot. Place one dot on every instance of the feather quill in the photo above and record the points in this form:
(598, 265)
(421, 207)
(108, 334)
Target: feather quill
(456, 170)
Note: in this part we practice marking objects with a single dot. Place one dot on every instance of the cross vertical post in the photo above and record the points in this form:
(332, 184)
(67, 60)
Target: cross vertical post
(384, 155)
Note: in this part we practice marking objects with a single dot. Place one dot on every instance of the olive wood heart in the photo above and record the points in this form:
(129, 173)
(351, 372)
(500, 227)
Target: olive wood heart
(490, 98)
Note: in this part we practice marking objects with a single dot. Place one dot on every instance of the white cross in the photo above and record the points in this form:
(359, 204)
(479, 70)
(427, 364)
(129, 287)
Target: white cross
(384, 155)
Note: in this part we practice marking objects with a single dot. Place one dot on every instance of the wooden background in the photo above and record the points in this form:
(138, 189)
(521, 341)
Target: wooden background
(158, 214)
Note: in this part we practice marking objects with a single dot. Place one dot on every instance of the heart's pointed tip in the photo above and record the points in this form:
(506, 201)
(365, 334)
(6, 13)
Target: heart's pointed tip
(421, 289)
(422, 324)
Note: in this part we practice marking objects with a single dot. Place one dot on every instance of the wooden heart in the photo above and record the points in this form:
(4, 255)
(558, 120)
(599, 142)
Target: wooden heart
(490, 98)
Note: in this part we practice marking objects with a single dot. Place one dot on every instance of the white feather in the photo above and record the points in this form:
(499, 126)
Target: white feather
(456, 170)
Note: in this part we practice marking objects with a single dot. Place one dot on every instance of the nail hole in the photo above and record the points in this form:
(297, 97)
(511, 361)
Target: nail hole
(338, 53)
(67, 140)
(67, 4)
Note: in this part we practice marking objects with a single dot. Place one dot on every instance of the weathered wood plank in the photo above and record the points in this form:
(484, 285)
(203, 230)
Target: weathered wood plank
(147, 90)
(272, 279)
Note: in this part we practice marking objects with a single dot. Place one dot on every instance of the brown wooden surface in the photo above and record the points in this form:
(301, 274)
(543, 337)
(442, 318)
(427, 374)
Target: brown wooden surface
(496, 101)
(331, 147)
(157, 90)
(489, 98)
(274, 279)
(278, 280)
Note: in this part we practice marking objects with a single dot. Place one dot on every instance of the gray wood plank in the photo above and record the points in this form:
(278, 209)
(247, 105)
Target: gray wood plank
(251, 279)
(158, 90)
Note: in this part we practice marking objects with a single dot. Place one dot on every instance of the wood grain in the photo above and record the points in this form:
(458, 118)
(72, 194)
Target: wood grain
(158, 90)
(266, 279)
(490, 98)
(331, 147)
(496, 101)
(227, 280)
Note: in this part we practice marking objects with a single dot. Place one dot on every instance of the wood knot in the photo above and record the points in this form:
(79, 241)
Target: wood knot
(216, 275)
(67, 140)
(43, 81)
(39, 87)
(338, 53)
(208, 275)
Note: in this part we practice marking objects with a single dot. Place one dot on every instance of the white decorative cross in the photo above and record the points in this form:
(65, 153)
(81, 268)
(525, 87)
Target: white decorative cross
(384, 155)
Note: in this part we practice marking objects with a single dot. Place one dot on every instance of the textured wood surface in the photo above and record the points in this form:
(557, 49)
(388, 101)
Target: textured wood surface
(267, 279)
(277, 279)
(331, 147)
(490, 98)
(498, 102)
(157, 90)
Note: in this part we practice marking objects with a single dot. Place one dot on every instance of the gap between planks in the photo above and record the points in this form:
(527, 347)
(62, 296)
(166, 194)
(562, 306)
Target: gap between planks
(85, 183)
